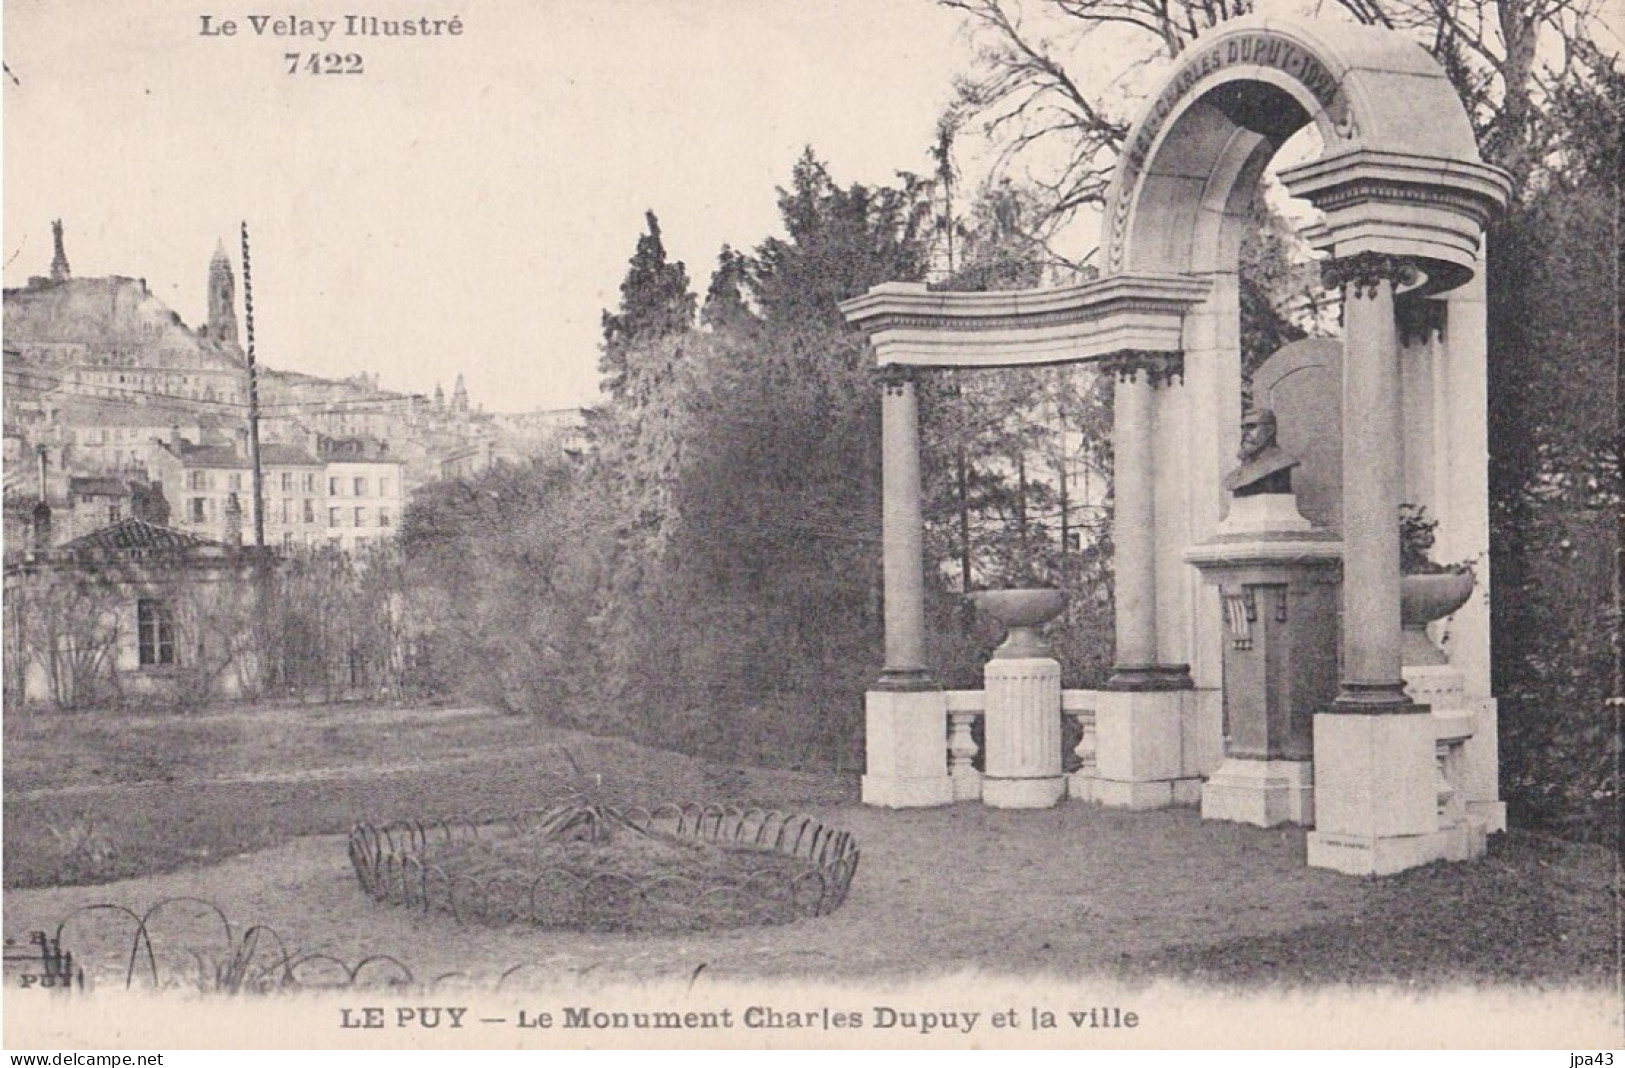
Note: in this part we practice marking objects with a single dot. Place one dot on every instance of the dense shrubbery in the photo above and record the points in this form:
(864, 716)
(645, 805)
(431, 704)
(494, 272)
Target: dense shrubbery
(708, 577)
(1556, 496)
(1555, 480)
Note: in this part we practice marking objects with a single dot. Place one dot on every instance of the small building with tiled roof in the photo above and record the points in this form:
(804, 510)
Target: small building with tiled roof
(140, 538)
(133, 609)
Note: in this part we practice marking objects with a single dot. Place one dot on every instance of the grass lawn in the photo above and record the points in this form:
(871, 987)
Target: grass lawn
(246, 806)
(90, 798)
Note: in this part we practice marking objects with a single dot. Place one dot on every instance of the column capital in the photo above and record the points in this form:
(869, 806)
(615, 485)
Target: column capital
(1364, 271)
(1160, 367)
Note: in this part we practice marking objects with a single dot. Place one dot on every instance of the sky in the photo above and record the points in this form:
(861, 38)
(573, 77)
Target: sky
(468, 204)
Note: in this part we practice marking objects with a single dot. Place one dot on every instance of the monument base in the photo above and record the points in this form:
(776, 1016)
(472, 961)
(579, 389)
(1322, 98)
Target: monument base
(1264, 793)
(1140, 750)
(1162, 793)
(1023, 793)
(1263, 513)
(1355, 854)
(906, 749)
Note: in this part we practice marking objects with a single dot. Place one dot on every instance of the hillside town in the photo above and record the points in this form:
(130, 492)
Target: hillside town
(115, 408)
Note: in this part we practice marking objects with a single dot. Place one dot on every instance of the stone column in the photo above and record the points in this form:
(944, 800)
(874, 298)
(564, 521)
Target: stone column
(1373, 483)
(902, 534)
(1375, 764)
(1140, 728)
(1133, 526)
(906, 715)
(1134, 522)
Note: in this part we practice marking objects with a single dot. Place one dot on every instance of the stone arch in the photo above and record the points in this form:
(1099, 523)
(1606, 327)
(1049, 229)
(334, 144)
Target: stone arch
(1398, 181)
(1243, 89)
(1404, 200)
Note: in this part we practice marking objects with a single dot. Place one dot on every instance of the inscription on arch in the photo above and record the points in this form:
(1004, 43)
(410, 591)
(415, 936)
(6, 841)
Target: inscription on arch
(1252, 49)
(1255, 49)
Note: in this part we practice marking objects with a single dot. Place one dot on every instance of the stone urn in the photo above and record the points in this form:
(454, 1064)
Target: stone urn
(1022, 612)
(1424, 598)
(1022, 686)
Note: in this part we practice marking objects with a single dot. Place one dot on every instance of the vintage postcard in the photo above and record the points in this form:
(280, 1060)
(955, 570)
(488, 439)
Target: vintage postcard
(548, 524)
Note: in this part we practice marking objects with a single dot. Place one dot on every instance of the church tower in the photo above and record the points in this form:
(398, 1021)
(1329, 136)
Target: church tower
(459, 398)
(222, 299)
(59, 261)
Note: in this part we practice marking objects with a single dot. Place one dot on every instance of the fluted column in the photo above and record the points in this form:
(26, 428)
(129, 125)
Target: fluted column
(902, 534)
(1134, 545)
(1373, 482)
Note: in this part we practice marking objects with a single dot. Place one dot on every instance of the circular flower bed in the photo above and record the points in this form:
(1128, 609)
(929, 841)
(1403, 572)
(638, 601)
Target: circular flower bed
(596, 867)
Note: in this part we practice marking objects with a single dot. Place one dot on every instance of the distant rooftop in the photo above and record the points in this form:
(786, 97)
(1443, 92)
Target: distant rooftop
(272, 454)
(356, 449)
(98, 486)
(136, 534)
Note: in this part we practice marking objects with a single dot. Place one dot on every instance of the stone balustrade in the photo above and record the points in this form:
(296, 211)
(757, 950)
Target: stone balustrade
(1080, 705)
(966, 707)
(1455, 729)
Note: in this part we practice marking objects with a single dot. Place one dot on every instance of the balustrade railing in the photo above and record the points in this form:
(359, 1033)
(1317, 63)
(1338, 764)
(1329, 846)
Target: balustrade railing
(1454, 731)
(966, 707)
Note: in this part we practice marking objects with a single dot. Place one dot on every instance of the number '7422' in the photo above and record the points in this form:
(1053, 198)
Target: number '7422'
(324, 62)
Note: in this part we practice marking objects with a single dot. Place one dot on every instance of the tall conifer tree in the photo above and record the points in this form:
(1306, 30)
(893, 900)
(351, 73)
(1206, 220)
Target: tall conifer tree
(656, 302)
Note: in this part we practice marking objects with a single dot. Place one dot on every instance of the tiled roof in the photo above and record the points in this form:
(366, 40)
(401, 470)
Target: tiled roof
(156, 419)
(128, 534)
(272, 454)
(211, 456)
(98, 486)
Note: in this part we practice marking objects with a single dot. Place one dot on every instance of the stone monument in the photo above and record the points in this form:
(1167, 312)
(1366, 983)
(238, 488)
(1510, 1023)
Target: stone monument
(1277, 576)
(1404, 201)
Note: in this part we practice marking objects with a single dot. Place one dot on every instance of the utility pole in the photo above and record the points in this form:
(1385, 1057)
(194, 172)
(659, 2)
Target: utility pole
(253, 401)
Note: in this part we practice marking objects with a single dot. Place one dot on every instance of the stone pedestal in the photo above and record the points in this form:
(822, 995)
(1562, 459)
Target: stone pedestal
(1377, 794)
(1277, 578)
(906, 749)
(1140, 749)
(1023, 733)
(1264, 793)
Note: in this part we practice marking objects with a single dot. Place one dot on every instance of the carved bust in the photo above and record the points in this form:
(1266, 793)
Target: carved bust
(1265, 466)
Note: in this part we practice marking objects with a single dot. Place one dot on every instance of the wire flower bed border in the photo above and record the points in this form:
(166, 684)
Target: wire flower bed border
(396, 863)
